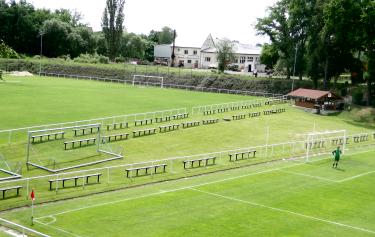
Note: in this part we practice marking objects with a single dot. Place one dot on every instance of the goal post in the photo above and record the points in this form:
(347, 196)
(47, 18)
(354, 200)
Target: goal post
(145, 79)
(324, 140)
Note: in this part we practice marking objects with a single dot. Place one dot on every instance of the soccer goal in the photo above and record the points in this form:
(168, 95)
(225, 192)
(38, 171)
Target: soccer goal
(324, 141)
(148, 80)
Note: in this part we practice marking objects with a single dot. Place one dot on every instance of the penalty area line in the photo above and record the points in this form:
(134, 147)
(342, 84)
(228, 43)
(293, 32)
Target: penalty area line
(285, 211)
(58, 229)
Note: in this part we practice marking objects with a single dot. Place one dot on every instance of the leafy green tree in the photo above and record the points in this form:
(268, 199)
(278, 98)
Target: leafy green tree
(166, 35)
(7, 52)
(112, 24)
(133, 46)
(55, 39)
(225, 53)
(269, 55)
(277, 28)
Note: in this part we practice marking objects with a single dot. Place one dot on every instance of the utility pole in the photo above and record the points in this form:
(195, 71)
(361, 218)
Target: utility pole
(294, 67)
(41, 33)
(173, 47)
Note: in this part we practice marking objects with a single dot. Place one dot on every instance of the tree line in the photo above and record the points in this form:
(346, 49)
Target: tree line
(321, 39)
(64, 35)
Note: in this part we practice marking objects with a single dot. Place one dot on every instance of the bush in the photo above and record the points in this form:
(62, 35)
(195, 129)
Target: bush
(89, 58)
(103, 59)
(7, 52)
(120, 60)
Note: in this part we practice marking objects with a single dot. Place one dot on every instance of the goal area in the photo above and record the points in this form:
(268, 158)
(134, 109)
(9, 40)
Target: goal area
(324, 142)
(148, 80)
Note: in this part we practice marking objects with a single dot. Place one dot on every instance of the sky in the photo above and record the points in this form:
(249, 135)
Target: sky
(192, 19)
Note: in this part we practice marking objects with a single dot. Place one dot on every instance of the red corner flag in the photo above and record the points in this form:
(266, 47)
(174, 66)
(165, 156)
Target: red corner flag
(32, 195)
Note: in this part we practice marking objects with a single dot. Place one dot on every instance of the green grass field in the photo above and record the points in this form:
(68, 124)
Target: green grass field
(286, 198)
(281, 198)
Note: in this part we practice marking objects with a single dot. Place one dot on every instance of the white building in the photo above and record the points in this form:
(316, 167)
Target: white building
(247, 56)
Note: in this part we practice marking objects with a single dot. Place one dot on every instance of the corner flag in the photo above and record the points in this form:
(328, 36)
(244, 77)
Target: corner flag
(32, 195)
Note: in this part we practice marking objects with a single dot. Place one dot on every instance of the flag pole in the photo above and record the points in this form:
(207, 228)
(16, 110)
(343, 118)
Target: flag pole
(32, 195)
(32, 212)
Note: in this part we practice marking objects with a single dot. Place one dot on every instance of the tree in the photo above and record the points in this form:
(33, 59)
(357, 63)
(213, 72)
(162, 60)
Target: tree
(112, 24)
(368, 27)
(166, 35)
(269, 55)
(225, 53)
(133, 46)
(277, 28)
(55, 39)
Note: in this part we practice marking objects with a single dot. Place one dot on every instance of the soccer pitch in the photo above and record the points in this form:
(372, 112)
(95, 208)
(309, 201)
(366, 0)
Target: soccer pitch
(284, 198)
(261, 195)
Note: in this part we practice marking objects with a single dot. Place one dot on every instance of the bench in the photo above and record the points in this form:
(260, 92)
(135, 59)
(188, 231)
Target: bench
(202, 161)
(76, 178)
(115, 137)
(180, 116)
(314, 145)
(190, 124)
(240, 155)
(81, 142)
(169, 128)
(142, 122)
(41, 136)
(254, 114)
(235, 108)
(209, 112)
(116, 126)
(257, 105)
(361, 138)
(165, 119)
(146, 168)
(84, 130)
(246, 107)
(239, 117)
(11, 188)
(210, 121)
(145, 132)
(222, 110)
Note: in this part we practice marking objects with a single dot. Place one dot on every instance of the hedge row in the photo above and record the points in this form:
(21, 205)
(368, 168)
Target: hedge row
(223, 81)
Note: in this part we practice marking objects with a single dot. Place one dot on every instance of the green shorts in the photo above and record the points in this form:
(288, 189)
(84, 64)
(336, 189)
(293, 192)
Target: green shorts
(337, 158)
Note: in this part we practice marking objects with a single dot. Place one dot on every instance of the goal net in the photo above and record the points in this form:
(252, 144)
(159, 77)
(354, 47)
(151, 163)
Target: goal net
(148, 80)
(322, 142)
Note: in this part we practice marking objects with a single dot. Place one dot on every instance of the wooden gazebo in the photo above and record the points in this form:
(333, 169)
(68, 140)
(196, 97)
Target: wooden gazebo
(316, 99)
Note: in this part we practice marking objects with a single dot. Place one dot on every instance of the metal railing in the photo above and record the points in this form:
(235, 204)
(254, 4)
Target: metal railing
(20, 229)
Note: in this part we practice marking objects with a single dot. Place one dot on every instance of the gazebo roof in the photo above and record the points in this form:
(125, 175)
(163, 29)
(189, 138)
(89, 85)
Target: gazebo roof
(312, 94)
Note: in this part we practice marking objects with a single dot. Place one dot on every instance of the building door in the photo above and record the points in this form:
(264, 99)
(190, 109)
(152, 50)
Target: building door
(249, 69)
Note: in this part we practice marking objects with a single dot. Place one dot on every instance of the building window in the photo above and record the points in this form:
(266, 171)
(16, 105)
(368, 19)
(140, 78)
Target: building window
(256, 59)
(250, 59)
(178, 49)
(189, 61)
(195, 52)
(186, 51)
(207, 59)
(236, 60)
(242, 59)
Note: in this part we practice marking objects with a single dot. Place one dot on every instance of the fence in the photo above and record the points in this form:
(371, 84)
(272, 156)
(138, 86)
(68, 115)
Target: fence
(10, 135)
(239, 104)
(165, 85)
(19, 229)
(115, 177)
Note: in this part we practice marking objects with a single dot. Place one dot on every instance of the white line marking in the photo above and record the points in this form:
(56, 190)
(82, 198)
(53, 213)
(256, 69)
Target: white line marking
(58, 229)
(286, 211)
(50, 222)
(356, 176)
(187, 187)
(167, 191)
(309, 176)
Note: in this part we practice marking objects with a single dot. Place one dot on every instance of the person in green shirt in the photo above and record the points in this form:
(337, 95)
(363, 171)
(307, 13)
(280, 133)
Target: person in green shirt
(337, 154)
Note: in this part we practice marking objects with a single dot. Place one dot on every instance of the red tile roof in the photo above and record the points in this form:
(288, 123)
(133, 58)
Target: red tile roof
(312, 94)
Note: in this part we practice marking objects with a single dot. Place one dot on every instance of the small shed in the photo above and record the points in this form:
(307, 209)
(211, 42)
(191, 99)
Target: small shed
(316, 99)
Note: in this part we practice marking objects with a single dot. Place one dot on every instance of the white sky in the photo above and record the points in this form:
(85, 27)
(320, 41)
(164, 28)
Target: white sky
(192, 19)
